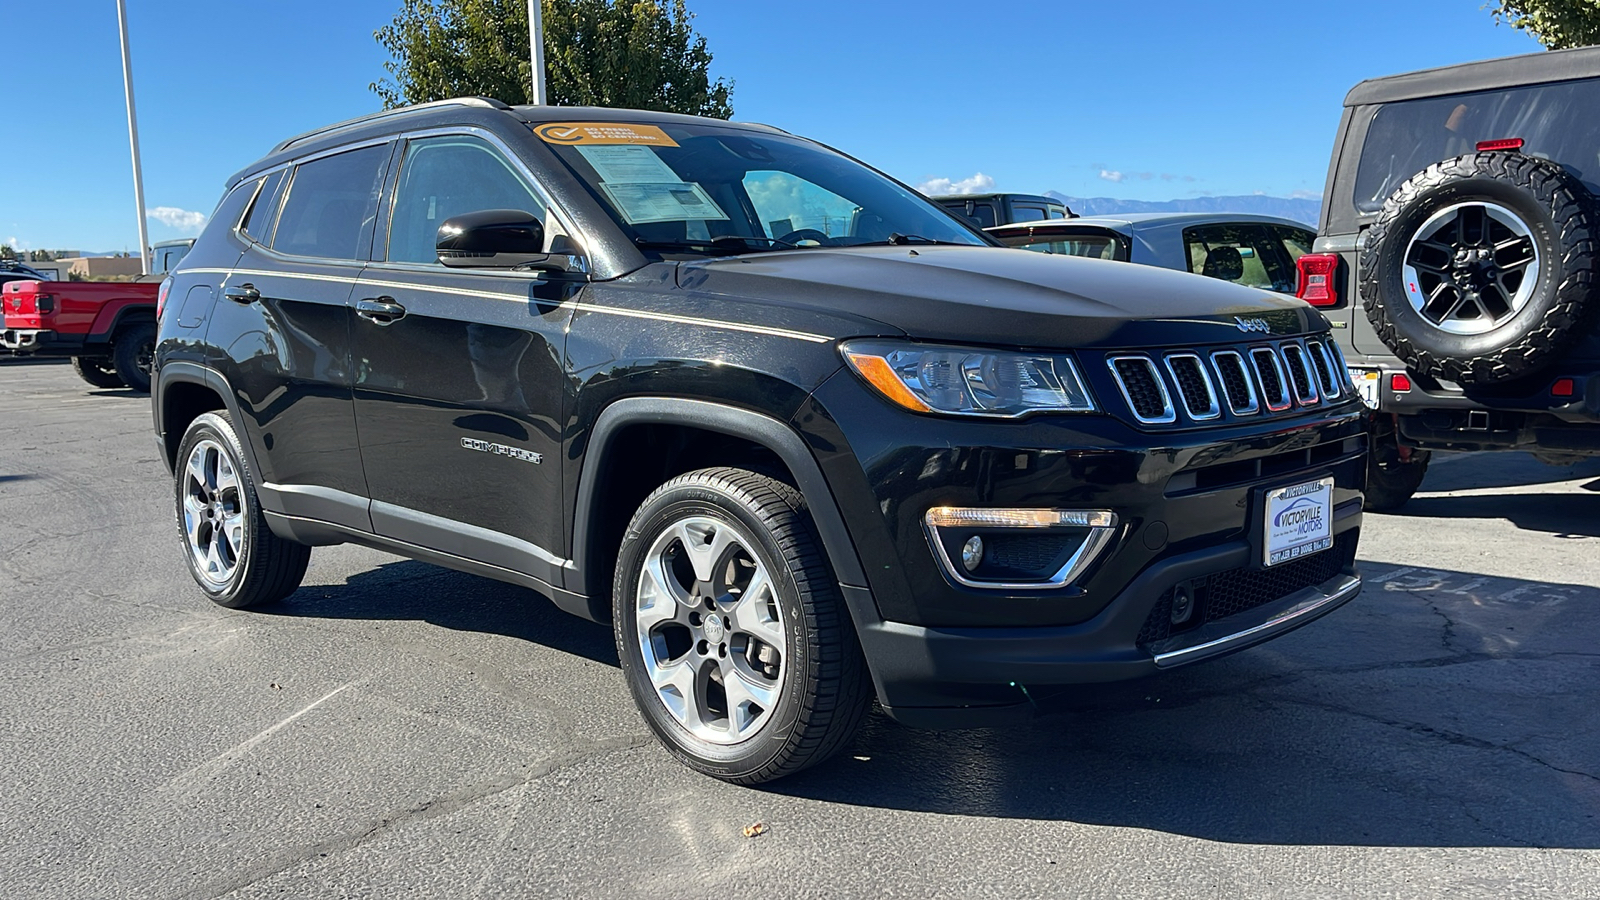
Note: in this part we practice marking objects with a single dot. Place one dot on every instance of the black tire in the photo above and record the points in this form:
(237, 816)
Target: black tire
(825, 691)
(1558, 213)
(1391, 481)
(97, 370)
(132, 350)
(266, 567)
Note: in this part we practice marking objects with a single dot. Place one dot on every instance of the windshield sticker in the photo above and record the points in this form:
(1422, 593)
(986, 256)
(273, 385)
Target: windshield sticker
(629, 164)
(674, 202)
(575, 133)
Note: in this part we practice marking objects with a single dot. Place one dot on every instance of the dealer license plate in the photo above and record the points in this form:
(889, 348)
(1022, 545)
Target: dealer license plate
(1299, 521)
(1367, 381)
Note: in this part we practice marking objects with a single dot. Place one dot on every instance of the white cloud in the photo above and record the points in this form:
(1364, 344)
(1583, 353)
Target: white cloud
(181, 219)
(979, 183)
(17, 243)
(1305, 195)
(1110, 175)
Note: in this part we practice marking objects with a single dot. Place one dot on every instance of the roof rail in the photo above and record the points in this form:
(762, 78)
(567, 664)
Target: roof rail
(481, 102)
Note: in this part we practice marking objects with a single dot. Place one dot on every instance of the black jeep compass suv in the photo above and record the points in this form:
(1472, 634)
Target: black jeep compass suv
(800, 434)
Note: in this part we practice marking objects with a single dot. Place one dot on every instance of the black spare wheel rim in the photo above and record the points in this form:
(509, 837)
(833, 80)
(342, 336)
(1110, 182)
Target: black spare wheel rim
(1480, 269)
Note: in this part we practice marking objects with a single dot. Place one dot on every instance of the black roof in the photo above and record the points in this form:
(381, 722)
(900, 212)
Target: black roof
(1486, 75)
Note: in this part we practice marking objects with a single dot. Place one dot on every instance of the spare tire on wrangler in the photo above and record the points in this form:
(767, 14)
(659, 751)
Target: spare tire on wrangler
(1480, 269)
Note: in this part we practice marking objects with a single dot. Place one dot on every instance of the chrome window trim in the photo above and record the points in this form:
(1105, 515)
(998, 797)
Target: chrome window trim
(1168, 413)
(1215, 410)
(1287, 396)
(1311, 375)
(1249, 383)
(1092, 548)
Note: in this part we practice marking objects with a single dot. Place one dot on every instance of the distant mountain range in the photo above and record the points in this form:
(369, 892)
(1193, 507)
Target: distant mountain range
(1300, 210)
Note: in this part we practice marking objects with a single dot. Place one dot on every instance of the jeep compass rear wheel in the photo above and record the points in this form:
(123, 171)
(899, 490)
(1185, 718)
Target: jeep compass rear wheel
(232, 554)
(731, 631)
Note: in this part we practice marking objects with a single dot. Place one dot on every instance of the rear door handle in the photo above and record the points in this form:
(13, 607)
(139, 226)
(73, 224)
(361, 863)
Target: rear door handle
(380, 310)
(244, 293)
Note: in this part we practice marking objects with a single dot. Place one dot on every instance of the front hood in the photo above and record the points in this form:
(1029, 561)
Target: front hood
(998, 296)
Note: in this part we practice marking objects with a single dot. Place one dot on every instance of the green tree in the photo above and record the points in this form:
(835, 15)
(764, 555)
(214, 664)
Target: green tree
(1557, 24)
(636, 54)
(6, 252)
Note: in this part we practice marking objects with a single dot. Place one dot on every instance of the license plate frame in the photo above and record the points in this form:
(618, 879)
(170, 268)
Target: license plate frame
(1296, 521)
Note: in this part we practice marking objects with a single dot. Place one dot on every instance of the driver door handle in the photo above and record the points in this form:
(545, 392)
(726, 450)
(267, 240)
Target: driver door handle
(380, 310)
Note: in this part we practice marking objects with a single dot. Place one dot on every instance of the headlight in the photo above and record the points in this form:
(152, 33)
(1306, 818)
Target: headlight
(968, 381)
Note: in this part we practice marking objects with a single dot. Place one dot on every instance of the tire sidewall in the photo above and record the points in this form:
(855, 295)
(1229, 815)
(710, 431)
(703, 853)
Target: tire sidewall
(759, 750)
(217, 428)
(125, 352)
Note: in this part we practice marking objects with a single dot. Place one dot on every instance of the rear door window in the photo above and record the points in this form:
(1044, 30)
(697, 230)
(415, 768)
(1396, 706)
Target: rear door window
(1027, 213)
(331, 204)
(1555, 122)
(1242, 253)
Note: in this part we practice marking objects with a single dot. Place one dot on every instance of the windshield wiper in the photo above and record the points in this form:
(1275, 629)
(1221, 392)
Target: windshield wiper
(895, 238)
(729, 245)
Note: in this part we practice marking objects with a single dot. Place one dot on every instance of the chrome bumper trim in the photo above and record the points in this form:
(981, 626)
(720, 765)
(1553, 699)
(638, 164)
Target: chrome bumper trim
(1274, 618)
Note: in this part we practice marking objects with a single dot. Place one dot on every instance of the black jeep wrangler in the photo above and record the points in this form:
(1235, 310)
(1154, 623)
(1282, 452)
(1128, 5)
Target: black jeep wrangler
(801, 435)
(1456, 258)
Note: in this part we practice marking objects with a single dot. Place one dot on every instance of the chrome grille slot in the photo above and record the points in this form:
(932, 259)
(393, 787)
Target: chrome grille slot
(1269, 373)
(1236, 383)
(1194, 386)
(1322, 362)
(1143, 388)
(1300, 374)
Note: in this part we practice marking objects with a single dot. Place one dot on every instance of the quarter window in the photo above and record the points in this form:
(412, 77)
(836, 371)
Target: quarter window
(330, 204)
(450, 176)
(258, 221)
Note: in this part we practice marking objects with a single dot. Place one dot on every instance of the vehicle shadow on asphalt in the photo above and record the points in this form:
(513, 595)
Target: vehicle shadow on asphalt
(1477, 471)
(410, 590)
(1562, 515)
(1439, 709)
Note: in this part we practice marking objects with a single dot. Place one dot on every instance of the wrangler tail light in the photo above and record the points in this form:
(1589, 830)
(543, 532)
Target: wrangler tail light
(1318, 285)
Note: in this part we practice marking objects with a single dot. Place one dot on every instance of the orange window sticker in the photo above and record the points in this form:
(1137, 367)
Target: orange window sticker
(571, 133)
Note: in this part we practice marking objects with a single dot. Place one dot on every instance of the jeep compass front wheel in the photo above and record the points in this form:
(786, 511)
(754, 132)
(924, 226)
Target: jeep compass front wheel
(731, 630)
(232, 554)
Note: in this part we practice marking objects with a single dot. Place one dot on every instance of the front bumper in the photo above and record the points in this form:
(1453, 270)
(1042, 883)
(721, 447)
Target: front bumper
(976, 677)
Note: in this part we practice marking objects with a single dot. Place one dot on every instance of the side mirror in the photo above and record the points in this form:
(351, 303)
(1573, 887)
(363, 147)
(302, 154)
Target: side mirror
(493, 239)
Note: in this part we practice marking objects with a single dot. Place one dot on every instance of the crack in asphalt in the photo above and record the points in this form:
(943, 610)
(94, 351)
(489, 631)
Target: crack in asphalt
(430, 809)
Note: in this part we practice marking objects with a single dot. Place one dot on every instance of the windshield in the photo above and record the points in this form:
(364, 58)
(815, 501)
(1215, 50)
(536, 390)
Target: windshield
(701, 188)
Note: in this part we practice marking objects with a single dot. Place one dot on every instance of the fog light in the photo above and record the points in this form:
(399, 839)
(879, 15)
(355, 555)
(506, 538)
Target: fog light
(972, 553)
(1182, 604)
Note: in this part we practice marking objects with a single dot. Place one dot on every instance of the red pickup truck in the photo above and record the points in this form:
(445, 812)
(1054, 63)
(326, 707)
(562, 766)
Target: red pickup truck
(108, 328)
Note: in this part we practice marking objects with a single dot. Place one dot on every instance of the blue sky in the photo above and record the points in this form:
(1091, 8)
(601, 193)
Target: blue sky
(1142, 100)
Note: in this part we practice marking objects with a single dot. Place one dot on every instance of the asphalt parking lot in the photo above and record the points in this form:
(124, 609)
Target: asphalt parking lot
(398, 729)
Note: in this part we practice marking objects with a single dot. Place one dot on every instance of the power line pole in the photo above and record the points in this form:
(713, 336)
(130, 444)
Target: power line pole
(535, 49)
(133, 140)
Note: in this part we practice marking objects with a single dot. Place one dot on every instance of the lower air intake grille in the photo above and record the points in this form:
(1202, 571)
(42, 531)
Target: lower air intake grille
(1239, 590)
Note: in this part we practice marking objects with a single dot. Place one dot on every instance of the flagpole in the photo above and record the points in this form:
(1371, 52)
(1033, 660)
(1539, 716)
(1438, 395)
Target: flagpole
(133, 140)
(535, 49)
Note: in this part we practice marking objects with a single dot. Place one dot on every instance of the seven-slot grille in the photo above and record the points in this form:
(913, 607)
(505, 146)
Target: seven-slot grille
(1243, 382)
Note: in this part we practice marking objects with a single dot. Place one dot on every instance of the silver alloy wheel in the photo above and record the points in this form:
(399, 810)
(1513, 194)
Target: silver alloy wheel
(1470, 267)
(213, 512)
(710, 630)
